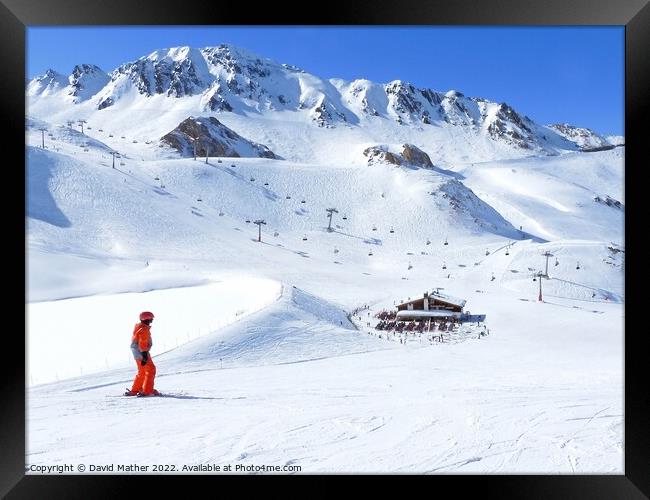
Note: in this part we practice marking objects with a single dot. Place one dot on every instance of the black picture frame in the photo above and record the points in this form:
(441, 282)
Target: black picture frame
(17, 15)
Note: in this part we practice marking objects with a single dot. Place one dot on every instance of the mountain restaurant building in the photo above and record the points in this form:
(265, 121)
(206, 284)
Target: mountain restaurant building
(432, 306)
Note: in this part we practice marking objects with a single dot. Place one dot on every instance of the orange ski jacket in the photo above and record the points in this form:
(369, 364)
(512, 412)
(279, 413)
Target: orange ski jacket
(141, 340)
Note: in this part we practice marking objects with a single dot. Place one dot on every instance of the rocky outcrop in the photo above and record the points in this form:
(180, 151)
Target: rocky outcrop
(610, 202)
(410, 156)
(415, 156)
(214, 139)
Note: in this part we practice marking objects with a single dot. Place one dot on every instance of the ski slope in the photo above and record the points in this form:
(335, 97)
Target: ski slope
(257, 341)
(288, 385)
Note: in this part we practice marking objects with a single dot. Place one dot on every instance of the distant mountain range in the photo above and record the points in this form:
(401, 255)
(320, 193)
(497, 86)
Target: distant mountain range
(225, 79)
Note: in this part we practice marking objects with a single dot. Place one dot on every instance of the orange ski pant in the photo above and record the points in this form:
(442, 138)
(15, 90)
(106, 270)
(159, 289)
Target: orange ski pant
(143, 381)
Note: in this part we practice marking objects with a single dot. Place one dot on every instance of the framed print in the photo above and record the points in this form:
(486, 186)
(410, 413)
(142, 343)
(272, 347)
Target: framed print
(377, 242)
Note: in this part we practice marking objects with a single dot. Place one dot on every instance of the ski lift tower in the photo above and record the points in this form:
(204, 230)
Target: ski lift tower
(330, 211)
(259, 223)
(547, 254)
(43, 130)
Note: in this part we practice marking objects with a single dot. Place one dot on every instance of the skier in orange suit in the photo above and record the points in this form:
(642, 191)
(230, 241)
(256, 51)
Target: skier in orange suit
(140, 346)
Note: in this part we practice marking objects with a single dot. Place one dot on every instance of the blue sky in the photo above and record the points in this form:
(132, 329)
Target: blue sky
(551, 74)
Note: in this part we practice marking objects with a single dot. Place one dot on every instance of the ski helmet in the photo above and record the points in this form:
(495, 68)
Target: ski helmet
(146, 315)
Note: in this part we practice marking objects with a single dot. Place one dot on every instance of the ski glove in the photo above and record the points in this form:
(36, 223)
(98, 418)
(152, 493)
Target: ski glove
(145, 358)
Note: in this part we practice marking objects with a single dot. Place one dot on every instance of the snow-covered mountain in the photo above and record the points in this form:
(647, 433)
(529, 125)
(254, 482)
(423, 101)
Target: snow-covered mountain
(585, 138)
(85, 81)
(45, 85)
(236, 84)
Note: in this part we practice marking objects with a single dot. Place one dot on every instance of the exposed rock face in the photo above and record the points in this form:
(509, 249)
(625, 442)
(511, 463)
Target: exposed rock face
(586, 139)
(509, 127)
(410, 156)
(610, 202)
(177, 72)
(86, 80)
(415, 156)
(105, 103)
(326, 115)
(214, 138)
